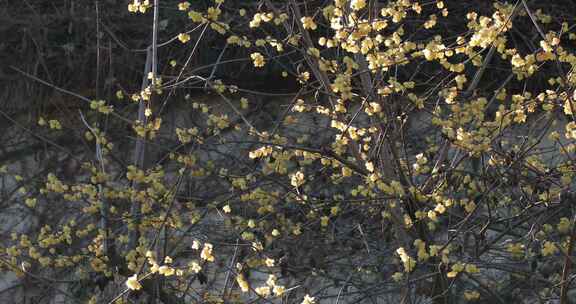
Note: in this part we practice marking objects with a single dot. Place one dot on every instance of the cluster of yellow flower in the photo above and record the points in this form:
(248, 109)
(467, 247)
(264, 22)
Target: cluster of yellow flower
(148, 130)
(460, 267)
(101, 106)
(52, 123)
(139, 6)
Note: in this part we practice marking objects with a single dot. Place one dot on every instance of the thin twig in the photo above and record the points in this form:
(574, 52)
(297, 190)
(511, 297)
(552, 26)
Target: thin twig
(59, 89)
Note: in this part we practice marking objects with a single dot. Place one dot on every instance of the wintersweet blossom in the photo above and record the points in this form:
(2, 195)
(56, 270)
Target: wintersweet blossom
(308, 23)
(257, 59)
(308, 300)
(206, 253)
(132, 283)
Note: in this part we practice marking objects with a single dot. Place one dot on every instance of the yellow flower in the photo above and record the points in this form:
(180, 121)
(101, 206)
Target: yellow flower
(184, 37)
(314, 52)
(357, 4)
(308, 300)
(564, 225)
(324, 221)
(226, 209)
(308, 23)
(549, 248)
(430, 23)
(54, 124)
(409, 262)
(334, 210)
(257, 246)
(297, 230)
(206, 253)
(154, 268)
(132, 283)
(183, 6)
(440, 208)
(258, 59)
(31, 202)
(471, 268)
(241, 280)
(195, 16)
(546, 46)
(166, 270)
(195, 267)
(397, 276)
(251, 223)
(297, 179)
(303, 77)
(517, 61)
(460, 80)
(263, 291)
(213, 13)
(370, 166)
(243, 103)
(471, 295)
(279, 290)
(271, 280)
(569, 107)
(456, 269)
(570, 130)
